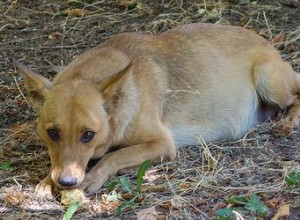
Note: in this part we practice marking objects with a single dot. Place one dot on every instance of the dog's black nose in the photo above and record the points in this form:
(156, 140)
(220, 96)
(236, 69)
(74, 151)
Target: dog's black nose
(67, 181)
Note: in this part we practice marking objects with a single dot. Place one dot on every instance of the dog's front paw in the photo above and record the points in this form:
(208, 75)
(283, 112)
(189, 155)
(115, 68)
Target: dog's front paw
(92, 183)
(43, 191)
(294, 113)
(295, 119)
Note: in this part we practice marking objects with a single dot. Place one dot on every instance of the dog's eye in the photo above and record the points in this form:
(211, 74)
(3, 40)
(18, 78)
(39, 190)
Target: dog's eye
(53, 134)
(87, 136)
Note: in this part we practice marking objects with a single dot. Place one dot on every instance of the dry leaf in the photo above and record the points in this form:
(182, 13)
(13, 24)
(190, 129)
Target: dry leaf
(278, 38)
(290, 47)
(55, 36)
(76, 12)
(15, 198)
(69, 197)
(148, 214)
(283, 128)
(108, 204)
(130, 3)
(273, 203)
(125, 4)
(284, 210)
(185, 186)
(177, 203)
(154, 188)
(150, 175)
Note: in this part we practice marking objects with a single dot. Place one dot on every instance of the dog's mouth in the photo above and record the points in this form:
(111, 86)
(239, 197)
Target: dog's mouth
(67, 187)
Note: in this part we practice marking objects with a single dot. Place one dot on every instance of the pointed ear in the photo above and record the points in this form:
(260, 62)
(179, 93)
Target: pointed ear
(113, 85)
(37, 85)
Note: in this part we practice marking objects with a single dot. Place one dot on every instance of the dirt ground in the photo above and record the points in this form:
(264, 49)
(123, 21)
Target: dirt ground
(46, 35)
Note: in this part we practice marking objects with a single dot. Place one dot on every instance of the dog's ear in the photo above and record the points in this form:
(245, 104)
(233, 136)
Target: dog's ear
(114, 85)
(37, 85)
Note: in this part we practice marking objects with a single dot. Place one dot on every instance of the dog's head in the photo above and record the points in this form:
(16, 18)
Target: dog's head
(73, 120)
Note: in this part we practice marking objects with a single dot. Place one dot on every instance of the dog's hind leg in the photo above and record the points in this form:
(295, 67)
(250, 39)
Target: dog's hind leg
(278, 85)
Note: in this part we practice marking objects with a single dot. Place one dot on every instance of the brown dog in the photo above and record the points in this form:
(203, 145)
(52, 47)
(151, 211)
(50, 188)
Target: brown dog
(135, 97)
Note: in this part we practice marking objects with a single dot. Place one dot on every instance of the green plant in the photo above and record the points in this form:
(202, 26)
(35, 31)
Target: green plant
(6, 166)
(252, 204)
(73, 199)
(225, 214)
(256, 206)
(71, 210)
(239, 200)
(126, 186)
(293, 179)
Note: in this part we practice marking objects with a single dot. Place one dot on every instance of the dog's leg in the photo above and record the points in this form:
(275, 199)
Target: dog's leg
(43, 191)
(156, 149)
(277, 84)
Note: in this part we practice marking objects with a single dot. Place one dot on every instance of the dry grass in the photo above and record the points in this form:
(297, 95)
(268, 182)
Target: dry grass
(48, 34)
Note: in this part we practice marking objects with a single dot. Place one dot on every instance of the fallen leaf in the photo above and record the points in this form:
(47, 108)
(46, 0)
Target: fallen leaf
(284, 210)
(273, 203)
(147, 214)
(69, 197)
(283, 128)
(76, 12)
(185, 186)
(154, 188)
(290, 48)
(55, 36)
(177, 204)
(111, 197)
(15, 198)
(108, 204)
(151, 175)
(278, 38)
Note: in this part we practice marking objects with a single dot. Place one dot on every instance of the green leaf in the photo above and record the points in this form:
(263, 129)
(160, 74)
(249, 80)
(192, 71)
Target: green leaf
(226, 213)
(254, 205)
(240, 200)
(112, 185)
(224, 218)
(125, 205)
(141, 172)
(125, 184)
(6, 166)
(70, 211)
(293, 179)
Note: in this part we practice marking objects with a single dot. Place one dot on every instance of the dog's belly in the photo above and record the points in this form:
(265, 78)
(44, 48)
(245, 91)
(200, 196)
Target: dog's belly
(229, 127)
(194, 119)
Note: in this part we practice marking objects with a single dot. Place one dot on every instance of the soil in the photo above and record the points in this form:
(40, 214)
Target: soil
(46, 35)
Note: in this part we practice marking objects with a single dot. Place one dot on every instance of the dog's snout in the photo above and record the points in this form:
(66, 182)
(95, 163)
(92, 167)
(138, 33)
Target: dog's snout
(67, 180)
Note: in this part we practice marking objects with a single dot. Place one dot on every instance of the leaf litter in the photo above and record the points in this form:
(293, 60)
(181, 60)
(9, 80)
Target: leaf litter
(48, 34)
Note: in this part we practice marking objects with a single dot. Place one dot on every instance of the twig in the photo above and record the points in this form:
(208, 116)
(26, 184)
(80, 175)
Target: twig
(22, 94)
(269, 30)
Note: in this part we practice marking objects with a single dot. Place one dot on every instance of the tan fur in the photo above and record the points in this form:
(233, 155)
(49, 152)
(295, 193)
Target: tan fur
(143, 94)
